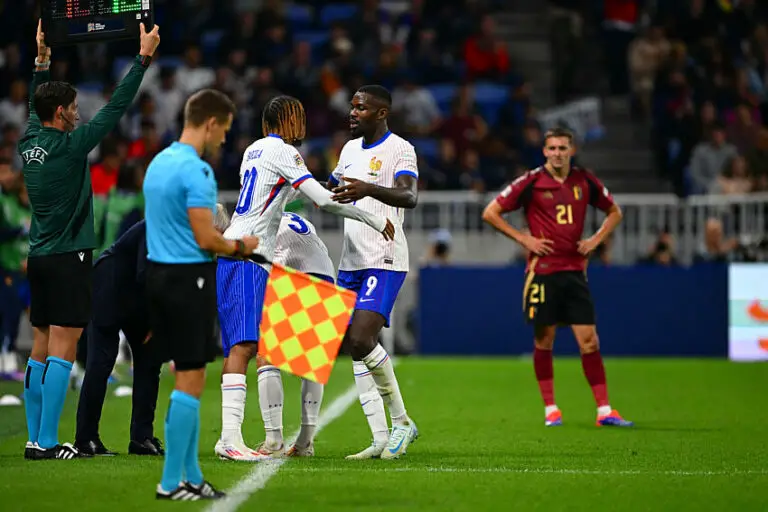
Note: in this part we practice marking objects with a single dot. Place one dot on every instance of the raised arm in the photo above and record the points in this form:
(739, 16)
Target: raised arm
(40, 76)
(88, 136)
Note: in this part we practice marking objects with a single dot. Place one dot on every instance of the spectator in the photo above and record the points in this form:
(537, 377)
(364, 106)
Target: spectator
(147, 145)
(464, 128)
(646, 55)
(662, 252)
(742, 131)
(620, 18)
(439, 249)
(714, 247)
(169, 100)
(708, 160)
(417, 108)
(104, 174)
(191, 76)
(485, 55)
(13, 109)
(735, 178)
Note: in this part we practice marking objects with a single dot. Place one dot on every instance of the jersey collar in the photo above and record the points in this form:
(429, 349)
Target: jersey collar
(184, 147)
(373, 145)
(274, 135)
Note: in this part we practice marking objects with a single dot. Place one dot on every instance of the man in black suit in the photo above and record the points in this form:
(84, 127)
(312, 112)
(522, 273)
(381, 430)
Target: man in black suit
(119, 303)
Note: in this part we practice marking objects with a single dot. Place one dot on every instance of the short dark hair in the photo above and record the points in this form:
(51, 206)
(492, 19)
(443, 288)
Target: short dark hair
(378, 92)
(205, 104)
(558, 132)
(284, 116)
(50, 96)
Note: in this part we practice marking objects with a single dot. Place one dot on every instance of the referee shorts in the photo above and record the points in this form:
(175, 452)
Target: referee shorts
(60, 289)
(182, 312)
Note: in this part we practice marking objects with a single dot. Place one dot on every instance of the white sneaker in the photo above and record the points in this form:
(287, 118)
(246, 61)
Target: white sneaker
(372, 452)
(237, 452)
(298, 451)
(399, 440)
(270, 453)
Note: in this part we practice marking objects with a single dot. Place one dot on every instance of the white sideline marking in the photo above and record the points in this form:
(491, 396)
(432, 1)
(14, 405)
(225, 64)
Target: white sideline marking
(542, 471)
(258, 477)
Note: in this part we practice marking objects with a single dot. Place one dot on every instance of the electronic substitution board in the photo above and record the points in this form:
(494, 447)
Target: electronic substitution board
(90, 21)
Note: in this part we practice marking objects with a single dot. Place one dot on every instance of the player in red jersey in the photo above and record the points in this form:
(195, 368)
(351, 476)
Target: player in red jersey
(555, 198)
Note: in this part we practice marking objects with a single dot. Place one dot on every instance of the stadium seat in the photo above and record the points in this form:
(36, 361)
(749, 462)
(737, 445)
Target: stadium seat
(426, 148)
(313, 37)
(337, 12)
(443, 94)
(209, 43)
(490, 93)
(299, 16)
(489, 98)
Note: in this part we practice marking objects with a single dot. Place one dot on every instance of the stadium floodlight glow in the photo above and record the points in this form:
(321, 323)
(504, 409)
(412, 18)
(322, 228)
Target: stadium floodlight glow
(68, 22)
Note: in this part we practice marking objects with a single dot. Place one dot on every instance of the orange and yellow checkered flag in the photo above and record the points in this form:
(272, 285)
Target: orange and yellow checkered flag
(303, 323)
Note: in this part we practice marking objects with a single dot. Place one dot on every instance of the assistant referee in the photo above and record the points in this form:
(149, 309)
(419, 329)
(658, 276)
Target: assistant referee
(58, 179)
(180, 201)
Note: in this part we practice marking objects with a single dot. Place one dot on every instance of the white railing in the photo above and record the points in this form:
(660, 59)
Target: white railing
(645, 217)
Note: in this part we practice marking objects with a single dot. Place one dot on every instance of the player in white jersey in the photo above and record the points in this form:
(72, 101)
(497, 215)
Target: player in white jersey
(269, 168)
(377, 171)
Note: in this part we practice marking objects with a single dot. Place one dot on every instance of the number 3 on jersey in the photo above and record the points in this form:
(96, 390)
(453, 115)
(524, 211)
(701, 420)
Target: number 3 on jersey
(246, 192)
(297, 224)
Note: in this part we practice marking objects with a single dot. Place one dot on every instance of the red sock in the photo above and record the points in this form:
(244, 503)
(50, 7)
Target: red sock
(542, 365)
(595, 373)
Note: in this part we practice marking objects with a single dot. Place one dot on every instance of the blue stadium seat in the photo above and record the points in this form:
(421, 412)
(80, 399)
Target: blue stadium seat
(490, 94)
(299, 16)
(313, 37)
(209, 44)
(443, 94)
(489, 99)
(426, 148)
(337, 12)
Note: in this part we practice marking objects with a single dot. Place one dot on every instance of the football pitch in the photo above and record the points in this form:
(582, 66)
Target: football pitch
(700, 443)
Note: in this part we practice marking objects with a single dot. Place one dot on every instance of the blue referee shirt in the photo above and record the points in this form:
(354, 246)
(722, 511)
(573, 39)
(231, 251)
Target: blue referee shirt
(176, 179)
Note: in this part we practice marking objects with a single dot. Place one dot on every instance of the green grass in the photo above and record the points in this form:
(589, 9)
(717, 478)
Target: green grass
(699, 444)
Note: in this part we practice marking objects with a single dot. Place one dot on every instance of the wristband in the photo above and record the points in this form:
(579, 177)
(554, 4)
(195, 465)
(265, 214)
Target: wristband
(42, 65)
(144, 60)
(239, 248)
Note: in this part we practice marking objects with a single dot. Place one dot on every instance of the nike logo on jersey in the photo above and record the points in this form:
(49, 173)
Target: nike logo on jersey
(200, 282)
(365, 300)
(81, 255)
(348, 166)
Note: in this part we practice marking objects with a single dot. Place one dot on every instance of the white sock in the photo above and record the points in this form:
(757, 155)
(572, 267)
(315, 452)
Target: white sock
(271, 404)
(604, 410)
(380, 365)
(311, 399)
(233, 389)
(373, 405)
(550, 409)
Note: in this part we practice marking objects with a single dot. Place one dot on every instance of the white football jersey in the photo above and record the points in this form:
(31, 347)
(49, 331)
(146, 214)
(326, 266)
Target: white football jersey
(269, 168)
(380, 163)
(299, 247)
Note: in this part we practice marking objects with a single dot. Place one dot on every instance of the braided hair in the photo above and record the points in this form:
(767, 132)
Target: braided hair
(284, 116)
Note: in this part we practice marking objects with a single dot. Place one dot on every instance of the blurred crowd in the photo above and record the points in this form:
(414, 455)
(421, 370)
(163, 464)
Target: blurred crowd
(439, 57)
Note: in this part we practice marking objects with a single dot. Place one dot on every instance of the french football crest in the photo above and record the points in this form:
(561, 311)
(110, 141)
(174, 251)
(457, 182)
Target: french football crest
(374, 166)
